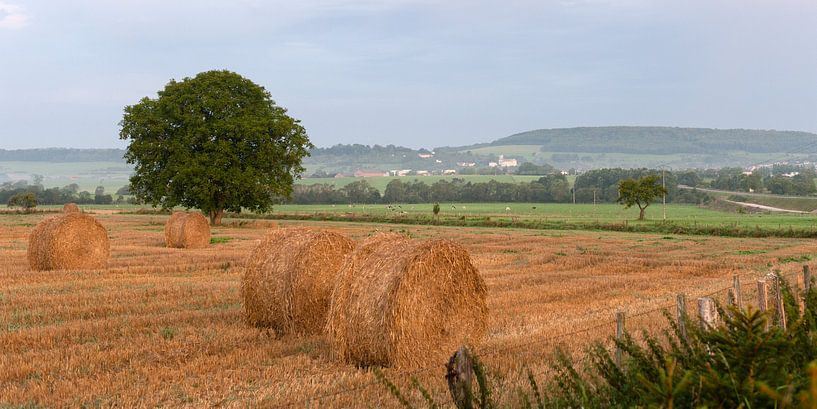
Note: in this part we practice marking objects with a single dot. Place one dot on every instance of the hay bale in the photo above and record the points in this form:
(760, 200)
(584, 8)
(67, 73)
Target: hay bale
(69, 241)
(405, 303)
(71, 208)
(289, 278)
(187, 230)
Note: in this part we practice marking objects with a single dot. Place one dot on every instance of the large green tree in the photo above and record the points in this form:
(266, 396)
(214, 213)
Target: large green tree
(640, 192)
(214, 142)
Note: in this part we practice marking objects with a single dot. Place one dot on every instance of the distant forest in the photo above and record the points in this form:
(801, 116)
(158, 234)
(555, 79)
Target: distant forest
(660, 140)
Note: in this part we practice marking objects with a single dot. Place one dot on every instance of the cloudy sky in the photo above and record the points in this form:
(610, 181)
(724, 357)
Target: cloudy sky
(415, 72)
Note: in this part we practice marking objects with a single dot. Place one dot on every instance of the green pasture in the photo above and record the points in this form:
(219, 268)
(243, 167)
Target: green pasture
(380, 182)
(569, 213)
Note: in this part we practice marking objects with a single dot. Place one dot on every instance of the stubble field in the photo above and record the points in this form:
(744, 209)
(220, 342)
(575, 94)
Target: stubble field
(163, 327)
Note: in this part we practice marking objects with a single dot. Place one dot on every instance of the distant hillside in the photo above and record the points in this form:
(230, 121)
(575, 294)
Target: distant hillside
(659, 140)
(62, 155)
(643, 146)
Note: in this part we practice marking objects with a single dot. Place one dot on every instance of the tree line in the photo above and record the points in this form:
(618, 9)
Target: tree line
(599, 186)
(13, 192)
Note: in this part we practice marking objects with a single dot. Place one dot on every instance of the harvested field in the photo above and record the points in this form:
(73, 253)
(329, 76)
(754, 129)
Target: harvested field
(163, 326)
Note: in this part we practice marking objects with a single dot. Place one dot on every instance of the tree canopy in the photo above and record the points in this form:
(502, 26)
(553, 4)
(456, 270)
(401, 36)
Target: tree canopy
(214, 142)
(640, 192)
(25, 200)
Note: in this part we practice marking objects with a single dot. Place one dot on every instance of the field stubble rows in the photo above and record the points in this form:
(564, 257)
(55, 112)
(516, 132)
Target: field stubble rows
(164, 326)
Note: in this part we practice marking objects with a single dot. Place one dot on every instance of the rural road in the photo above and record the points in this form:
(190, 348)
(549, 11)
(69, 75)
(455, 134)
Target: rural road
(748, 194)
(751, 205)
(762, 207)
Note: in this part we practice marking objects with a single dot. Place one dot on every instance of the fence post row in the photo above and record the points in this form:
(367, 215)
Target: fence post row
(619, 337)
(707, 312)
(806, 278)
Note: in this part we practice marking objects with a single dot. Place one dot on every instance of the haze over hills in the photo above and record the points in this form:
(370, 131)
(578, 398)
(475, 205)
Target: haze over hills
(580, 148)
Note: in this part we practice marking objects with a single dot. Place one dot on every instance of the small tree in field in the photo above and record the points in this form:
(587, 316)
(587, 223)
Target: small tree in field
(214, 142)
(640, 193)
(436, 209)
(26, 200)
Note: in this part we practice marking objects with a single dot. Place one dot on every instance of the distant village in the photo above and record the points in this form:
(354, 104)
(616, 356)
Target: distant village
(501, 163)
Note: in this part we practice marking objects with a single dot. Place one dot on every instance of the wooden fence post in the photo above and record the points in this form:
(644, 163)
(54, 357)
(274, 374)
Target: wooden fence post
(779, 309)
(681, 302)
(762, 298)
(707, 312)
(460, 376)
(736, 287)
(619, 337)
(730, 297)
(806, 287)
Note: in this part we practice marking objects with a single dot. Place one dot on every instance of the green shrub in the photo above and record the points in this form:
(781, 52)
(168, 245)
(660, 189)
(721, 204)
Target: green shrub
(738, 364)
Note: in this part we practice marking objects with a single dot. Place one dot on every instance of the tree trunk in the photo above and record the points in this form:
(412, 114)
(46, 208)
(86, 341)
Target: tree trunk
(215, 217)
(641, 213)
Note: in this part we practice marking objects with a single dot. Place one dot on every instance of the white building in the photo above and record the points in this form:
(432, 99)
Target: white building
(507, 163)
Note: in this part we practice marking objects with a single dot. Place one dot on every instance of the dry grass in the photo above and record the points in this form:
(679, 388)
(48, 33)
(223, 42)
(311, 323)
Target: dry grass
(164, 327)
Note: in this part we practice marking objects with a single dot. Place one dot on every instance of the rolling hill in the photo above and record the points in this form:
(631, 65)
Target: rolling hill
(636, 146)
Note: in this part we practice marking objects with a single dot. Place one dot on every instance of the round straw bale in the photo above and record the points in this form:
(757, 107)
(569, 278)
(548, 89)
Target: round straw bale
(71, 208)
(405, 303)
(289, 278)
(69, 241)
(187, 230)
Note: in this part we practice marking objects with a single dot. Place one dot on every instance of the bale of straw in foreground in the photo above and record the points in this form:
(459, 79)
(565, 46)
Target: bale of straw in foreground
(69, 241)
(289, 278)
(187, 230)
(71, 208)
(405, 303)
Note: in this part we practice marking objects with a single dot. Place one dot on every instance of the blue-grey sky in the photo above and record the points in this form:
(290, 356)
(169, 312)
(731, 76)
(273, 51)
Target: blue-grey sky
(414, 72)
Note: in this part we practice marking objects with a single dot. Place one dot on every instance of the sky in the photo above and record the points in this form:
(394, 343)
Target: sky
(416, 73)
